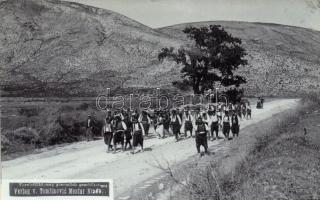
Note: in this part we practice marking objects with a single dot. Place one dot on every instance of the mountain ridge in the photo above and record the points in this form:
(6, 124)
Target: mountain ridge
(58, 48)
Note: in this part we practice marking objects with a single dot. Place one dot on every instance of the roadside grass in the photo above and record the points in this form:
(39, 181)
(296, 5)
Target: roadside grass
(286, 166)
(283, 163)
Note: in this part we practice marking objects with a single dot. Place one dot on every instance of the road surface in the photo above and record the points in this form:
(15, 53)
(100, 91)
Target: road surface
(89, 160)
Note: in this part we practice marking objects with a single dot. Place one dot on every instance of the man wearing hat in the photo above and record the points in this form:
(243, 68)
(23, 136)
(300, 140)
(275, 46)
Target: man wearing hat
(187, 119)
(119, 127)
(248, 111)
(145, 120)
(107, 131)
(159, 126)
(137, 132)
(127, 133)
(226, 125)
(244, 110)
(214, 123)
(166, 123)
(201, 135)
(234, 124)
(175, 122)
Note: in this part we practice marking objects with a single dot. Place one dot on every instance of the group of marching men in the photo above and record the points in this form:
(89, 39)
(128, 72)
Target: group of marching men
(120, 127)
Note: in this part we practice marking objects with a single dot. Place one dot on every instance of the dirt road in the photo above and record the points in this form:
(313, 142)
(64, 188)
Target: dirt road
(89, 159)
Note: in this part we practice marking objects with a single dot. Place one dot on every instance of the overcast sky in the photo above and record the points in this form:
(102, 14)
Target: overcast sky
(159, 13)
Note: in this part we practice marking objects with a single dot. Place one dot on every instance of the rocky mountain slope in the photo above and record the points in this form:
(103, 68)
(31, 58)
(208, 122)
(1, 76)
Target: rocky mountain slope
(51, 47)
(69, 48)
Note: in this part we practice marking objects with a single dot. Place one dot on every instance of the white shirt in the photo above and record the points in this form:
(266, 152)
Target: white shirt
(137, 128)
(213, 118)
(107, 128)
(226, 119)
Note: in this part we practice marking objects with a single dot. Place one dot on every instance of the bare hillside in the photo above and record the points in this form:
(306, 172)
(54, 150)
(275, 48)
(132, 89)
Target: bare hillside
(68, 48)
(56, 48)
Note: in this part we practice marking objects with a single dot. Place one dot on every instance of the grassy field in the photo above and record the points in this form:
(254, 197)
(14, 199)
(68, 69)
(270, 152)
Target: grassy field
(31, 123)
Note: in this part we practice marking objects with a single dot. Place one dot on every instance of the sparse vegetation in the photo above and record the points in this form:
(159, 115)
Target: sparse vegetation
(35, 126)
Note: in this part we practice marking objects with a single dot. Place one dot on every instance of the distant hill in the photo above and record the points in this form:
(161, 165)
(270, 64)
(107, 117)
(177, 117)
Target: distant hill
(283, 60)
(56, 48)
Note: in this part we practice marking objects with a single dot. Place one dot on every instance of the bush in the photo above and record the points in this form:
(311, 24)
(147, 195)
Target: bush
(83, 106)
(26, 135)
(19, 140)
(66, 108)
(56, 135)
(5, 142)
(50, 124)
(29, 112)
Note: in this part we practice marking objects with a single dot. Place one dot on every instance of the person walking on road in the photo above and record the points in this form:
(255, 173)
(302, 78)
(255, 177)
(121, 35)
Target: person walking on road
(201, 130)
(235, 125)
(214, 125)
(89, 127)
(118, 137)
(107, 132)
(128, 132)
(226, 125)
(248, 111)
(145, 120)
(159, 126)
(187, 119)
(175, 124)
(166, 124)
(138, 133)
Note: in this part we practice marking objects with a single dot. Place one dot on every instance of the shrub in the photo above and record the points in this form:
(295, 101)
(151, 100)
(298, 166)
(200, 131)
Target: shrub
(5, 142)
(26, 135)
(83, 106)
(66, 108)
(29, 112)
(57, 135)
(19, 140)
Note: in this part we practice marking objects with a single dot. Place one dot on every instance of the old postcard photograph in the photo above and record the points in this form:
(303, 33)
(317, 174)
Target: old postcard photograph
(160, 99)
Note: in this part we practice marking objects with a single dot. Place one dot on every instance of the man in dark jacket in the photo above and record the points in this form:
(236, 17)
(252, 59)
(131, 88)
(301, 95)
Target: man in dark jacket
(137, 132)
(127, 133)
(226, 125)
(201, 135)
(89, 126)
(107, 132)
(234, 125)
(119, 129)
(175, 122)
(166, 124)
(145, 120)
